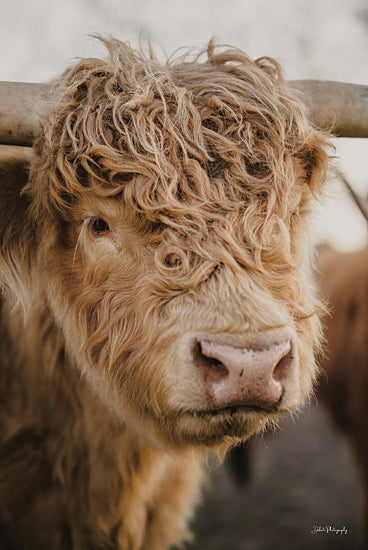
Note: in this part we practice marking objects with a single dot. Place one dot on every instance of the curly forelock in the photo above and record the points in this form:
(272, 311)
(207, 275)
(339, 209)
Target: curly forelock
(213, 142)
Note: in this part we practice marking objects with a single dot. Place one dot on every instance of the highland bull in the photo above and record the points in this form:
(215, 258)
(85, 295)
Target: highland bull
(157, 298)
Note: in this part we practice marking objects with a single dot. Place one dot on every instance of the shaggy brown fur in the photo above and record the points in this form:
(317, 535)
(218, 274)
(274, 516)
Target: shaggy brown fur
(344, 281)
(163, 202)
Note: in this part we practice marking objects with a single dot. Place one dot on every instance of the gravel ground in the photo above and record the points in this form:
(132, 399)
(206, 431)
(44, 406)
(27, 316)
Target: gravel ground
(301, 477)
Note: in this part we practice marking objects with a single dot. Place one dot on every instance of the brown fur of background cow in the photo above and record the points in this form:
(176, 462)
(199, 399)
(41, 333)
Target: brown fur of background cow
(344, 282)
(162, 206)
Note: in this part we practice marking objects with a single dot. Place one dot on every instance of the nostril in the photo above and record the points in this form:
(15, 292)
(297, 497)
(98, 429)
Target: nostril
(280, 371)
(214, 366)
(213, 363)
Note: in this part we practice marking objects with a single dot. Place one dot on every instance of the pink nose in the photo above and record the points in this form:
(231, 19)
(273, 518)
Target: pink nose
(244, 376)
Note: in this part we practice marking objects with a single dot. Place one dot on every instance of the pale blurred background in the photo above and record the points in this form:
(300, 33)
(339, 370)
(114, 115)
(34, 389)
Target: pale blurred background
(326, 39)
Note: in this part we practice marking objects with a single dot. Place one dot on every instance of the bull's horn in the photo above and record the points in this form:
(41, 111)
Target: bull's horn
(342, 106)
(338, 106)
(19, 104)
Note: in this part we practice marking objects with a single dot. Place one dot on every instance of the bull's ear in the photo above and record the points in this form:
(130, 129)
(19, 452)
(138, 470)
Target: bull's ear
(16, 232)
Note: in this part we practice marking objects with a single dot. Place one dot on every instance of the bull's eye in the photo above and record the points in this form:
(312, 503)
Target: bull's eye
(99, 226)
